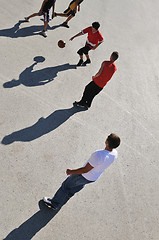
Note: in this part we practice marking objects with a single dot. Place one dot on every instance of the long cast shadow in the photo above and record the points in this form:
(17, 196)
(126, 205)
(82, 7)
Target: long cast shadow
(16, 32)
(30, 78)
(34, 224)
(42, 126)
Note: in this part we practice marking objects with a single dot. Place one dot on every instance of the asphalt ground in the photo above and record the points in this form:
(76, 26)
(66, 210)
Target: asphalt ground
(42, 134)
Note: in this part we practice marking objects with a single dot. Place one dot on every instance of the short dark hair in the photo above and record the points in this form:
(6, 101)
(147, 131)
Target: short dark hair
(113, 141)
(115, 55)
(95, 25)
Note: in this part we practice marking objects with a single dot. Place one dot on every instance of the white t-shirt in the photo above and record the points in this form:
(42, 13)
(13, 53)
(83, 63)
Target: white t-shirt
(99, 160)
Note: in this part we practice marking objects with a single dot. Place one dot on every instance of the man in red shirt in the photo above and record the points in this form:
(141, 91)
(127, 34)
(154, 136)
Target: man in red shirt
(94, 39)
(98, 82)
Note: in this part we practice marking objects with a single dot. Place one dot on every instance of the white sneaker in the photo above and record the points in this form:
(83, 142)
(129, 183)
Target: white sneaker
(48, 203)
(43, 33)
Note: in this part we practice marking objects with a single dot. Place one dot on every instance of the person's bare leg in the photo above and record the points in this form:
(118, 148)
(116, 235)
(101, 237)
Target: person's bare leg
(81, 57)
(65, 23)
(64, 15)
(87, 56)
(45, 26)
(69, 18)
(87, 61)
(33, 15)
(43, 33)
(61, 14)
(80, 61)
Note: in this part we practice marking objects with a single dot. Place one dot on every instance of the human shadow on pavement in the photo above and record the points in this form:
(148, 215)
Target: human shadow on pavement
(34, 224)
(30, 78)
(42, 126)
(16, 32)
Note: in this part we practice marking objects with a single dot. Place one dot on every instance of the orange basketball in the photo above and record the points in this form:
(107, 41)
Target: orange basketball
(61, 43)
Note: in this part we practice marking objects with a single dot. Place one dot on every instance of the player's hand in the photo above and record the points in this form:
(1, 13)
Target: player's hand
(71, 38)
(68, 171)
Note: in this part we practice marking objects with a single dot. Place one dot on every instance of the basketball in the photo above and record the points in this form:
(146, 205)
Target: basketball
(61, 43)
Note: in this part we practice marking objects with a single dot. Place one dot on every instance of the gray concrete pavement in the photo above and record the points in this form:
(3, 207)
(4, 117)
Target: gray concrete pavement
(42, 134)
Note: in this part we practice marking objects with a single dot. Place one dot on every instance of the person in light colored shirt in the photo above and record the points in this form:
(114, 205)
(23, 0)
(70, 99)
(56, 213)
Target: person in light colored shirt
(89, 173)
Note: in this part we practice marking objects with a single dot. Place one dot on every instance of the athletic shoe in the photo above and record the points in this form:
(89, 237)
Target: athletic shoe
(64, 24)
(43, 33)
(77, 104)
(48, 203)
(79, 63)
(86, 62)
(26, 19)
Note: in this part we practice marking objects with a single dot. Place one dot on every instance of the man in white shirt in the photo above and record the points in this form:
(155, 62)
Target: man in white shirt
(90, 172)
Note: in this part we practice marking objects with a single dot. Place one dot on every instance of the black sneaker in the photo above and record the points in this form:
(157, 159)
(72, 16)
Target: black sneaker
(77, 104)
(64, 24)
(26, 19)
(86, 62)
(79, 63)
(48, 203)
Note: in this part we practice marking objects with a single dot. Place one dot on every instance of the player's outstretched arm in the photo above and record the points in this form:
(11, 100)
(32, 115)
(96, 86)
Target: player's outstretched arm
(81, 170)
(77, 35)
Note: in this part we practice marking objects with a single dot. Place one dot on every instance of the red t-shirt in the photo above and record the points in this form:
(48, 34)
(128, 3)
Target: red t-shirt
(108, 71)
(93, 38)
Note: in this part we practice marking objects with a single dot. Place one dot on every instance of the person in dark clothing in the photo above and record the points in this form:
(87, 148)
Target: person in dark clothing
(44, 10)
(70, 12)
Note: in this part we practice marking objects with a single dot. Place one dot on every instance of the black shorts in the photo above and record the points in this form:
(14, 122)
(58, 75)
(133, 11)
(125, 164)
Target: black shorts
(46, 16)
(69, 12)
(84, 50)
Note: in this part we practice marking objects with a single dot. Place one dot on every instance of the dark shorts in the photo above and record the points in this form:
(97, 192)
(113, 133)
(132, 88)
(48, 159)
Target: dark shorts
(69, 12)
(84, 50)
(46, 16)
